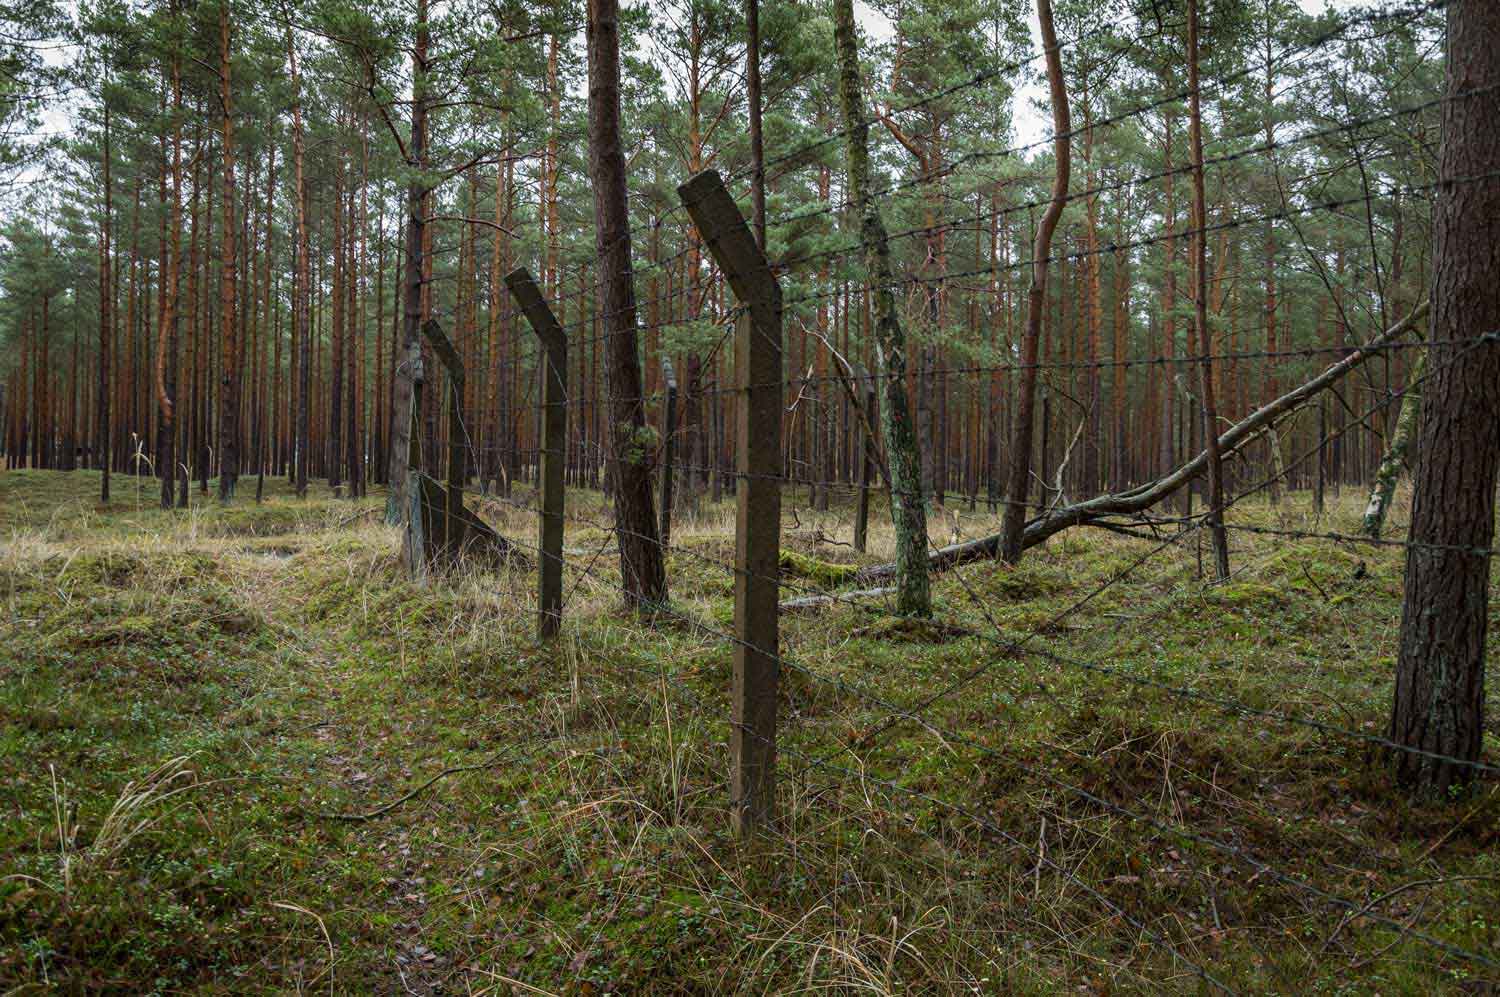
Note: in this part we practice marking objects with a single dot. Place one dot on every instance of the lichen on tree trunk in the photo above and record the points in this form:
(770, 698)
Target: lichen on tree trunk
(908, 513)
(1395, 454)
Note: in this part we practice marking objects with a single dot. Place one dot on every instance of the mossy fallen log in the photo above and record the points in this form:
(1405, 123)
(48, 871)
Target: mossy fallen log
(824, 573)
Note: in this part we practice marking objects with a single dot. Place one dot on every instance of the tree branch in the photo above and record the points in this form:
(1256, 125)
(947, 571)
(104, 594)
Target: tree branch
(1092, 511)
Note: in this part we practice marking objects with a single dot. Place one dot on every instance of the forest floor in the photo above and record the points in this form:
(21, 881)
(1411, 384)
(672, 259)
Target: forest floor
(190, 703)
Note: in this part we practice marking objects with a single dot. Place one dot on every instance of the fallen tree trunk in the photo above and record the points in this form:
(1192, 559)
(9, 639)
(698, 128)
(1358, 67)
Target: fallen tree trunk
(807, 602)
(1139, 499)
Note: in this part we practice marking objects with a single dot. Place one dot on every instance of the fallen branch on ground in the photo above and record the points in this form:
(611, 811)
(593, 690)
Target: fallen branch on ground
(1096, 511)
(821, 601)
(503, 754)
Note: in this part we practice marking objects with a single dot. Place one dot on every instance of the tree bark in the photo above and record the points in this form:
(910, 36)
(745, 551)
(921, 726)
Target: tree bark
(1395, 454)
(753, 98)
(641, 566)
(229, 396)
(1439, 697)
(409, 356)
(302, 328)
(166, 359)
(1271, 383)
(1200, 309)
(338, 329)
(1014, 517)
(104, 451)
(908, 511)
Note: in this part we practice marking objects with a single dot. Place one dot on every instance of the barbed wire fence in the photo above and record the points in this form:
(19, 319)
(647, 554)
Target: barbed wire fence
(759, 744)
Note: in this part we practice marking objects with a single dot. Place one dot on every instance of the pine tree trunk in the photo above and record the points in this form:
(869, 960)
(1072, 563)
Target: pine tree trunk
(166, 364)
(641, 566)
(1200, 309)
(408, 357)
(339, 323)
(753, 99)
(1014, 517)
(1439, 698)
(104, 451)
(229, 396)
(908, 512)
(1272, 386)
(301, 331)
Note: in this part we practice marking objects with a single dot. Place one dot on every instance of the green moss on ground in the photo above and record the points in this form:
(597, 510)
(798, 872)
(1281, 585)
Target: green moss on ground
(223, 680)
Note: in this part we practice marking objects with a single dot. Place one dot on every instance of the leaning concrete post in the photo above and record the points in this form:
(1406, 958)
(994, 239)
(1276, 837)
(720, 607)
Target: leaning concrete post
(554, 447)
(758, 377)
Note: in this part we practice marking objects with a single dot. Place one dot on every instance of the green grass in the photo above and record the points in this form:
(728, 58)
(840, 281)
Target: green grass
(188, 699)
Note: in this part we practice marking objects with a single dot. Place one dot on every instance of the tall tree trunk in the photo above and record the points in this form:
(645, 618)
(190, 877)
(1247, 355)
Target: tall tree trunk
(753, 98)
(229, 397)
(192, 427)
(301, 331)
(1200, 308)
(203, 336)
(409, 356)
(266, 414)
(339, 321)
(1272, 383)
(1439, 699)
(1120, 472)
(104, 451)
(1169, 311)
(641, 565)
(908, 511)
(166, 360)
(358, 424)
(1014, 517)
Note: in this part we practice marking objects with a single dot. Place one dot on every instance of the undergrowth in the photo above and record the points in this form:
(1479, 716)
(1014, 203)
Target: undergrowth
(206, 714)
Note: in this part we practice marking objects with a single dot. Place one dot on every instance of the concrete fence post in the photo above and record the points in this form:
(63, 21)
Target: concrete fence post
(758, 404)
(866, 458)
(668, 454)
(554, 447)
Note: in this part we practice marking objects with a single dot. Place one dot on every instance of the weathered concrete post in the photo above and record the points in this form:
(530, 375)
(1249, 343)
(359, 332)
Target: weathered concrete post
(668, 454)
(866, 460)
(758, 377)
(554, 447)
(413, 539)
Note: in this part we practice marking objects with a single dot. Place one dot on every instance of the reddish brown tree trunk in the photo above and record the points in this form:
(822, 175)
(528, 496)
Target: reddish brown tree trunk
(104, 451)
(1014, 517)
(229, 397)
(301, 332)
